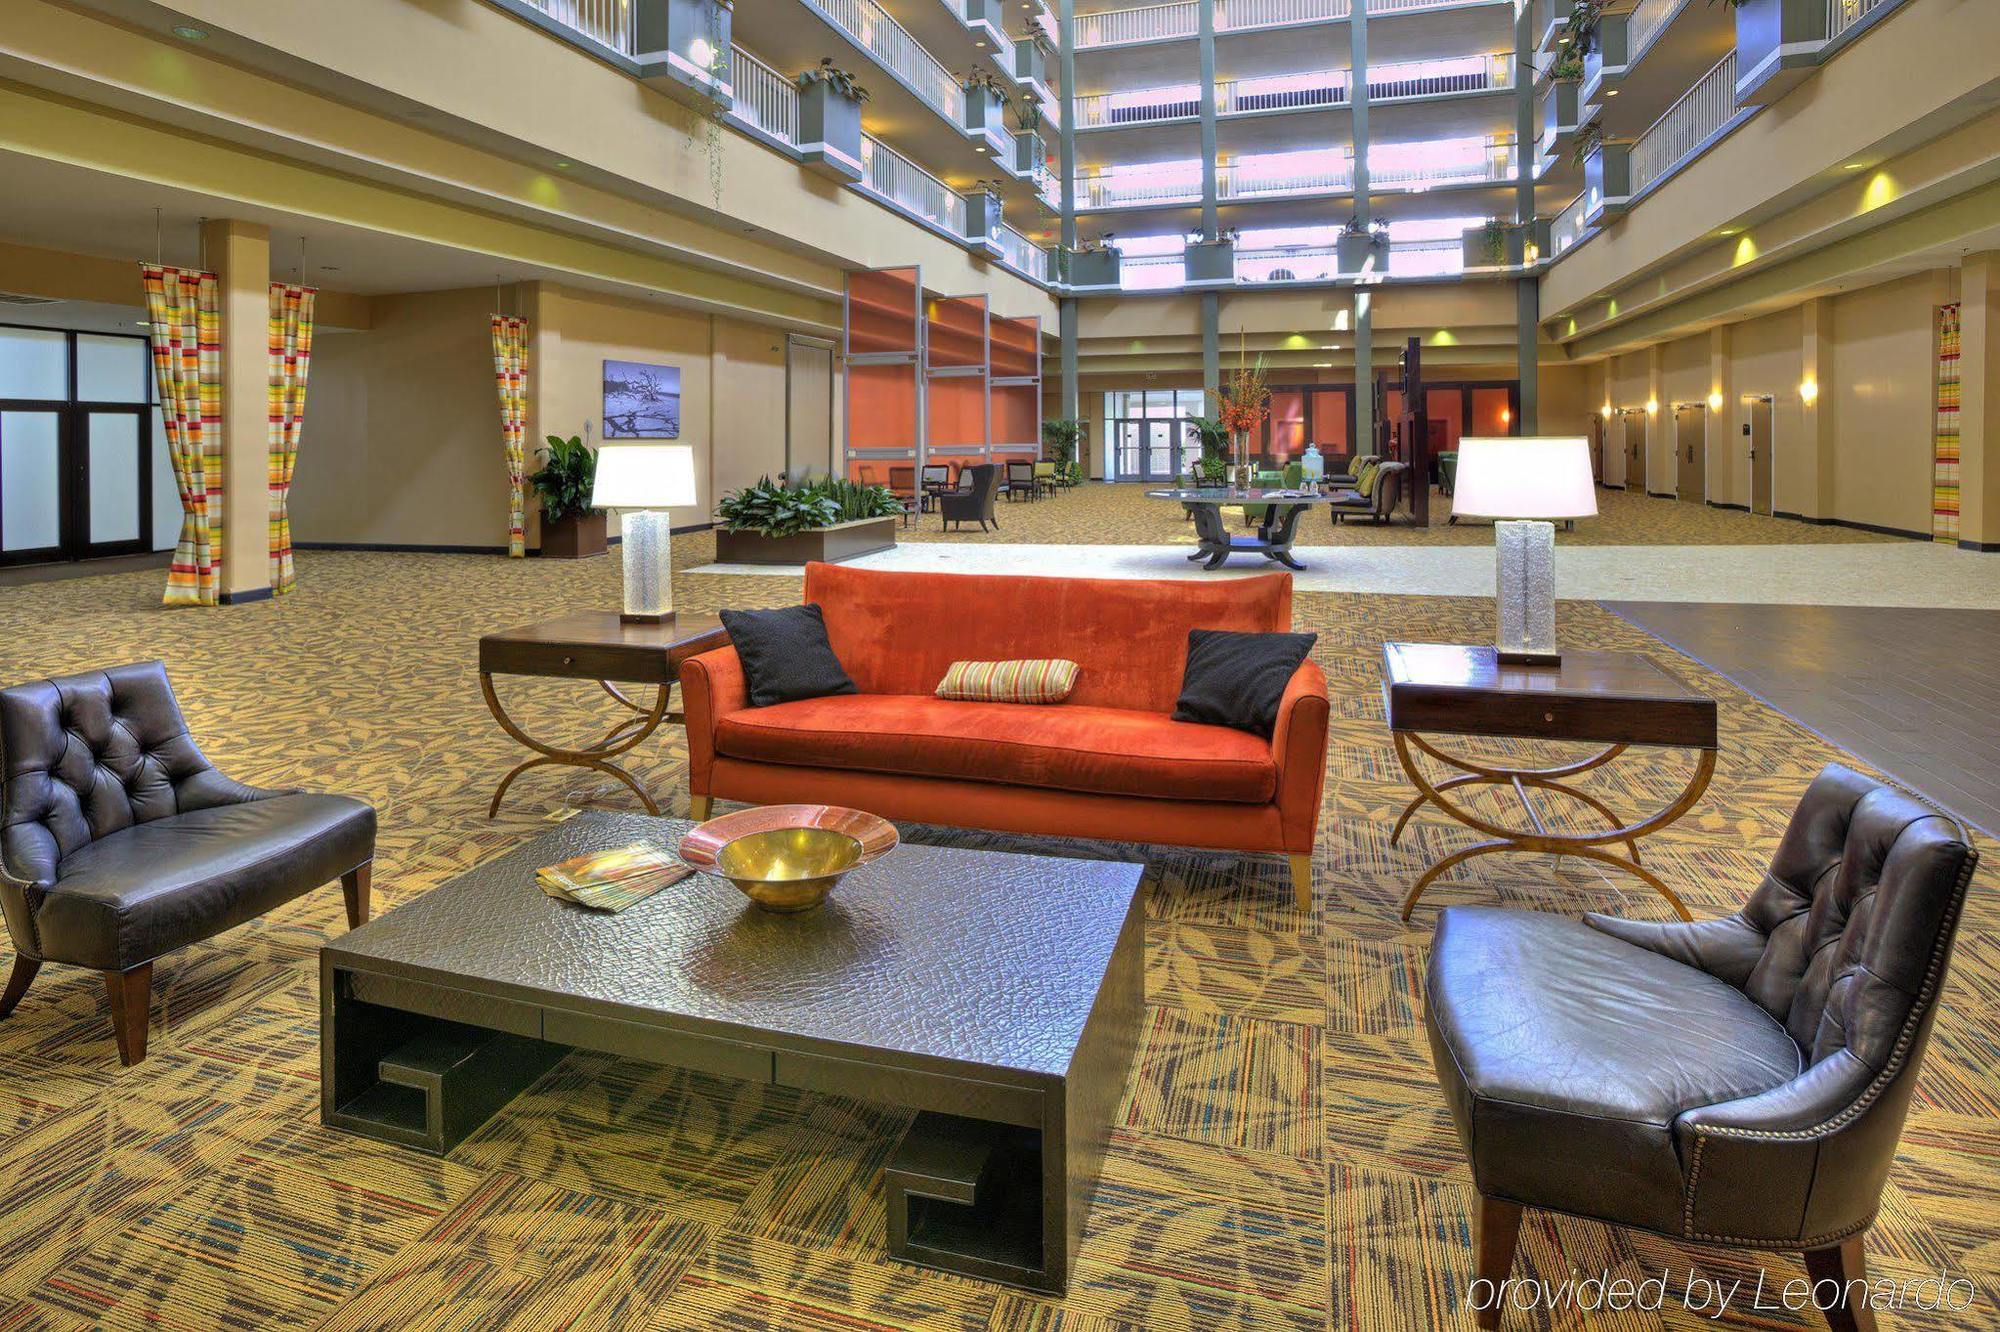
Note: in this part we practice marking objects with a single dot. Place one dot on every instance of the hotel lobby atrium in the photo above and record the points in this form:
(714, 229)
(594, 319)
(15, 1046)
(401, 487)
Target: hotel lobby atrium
(999, 665)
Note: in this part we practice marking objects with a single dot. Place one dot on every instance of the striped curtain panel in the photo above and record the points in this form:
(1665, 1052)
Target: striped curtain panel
(510, 374)
(185, 308)
(291, 337)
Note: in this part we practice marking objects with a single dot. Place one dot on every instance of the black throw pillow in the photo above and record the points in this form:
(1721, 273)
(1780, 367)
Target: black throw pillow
(1236, 679)
(786, 654)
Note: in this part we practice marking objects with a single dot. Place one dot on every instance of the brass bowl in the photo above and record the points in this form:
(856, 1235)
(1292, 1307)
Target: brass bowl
(787, 858)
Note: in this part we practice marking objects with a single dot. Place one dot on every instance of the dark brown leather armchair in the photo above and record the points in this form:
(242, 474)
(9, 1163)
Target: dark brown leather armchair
(119, 842)
(1736, 1081)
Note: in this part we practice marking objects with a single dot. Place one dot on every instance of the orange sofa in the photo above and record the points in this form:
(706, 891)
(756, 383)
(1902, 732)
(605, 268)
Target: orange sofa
(1108, 763)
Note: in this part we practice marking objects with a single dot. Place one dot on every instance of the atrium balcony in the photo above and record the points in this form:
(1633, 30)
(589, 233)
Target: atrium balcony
(1301, 255)
(1647, 58)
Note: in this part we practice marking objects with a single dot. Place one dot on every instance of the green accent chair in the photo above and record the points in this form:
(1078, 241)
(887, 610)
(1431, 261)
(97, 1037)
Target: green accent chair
(1290, 478)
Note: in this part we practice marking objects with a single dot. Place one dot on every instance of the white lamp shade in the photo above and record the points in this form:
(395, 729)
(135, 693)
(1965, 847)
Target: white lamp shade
(644, 476)
(1524, 476)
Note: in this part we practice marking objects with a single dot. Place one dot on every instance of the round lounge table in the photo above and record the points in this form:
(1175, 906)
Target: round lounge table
(1273, 537)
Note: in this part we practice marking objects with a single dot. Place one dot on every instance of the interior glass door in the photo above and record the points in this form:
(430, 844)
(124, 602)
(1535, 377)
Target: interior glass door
(31, 498)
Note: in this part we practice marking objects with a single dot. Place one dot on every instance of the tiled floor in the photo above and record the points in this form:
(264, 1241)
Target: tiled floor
(1912, 691)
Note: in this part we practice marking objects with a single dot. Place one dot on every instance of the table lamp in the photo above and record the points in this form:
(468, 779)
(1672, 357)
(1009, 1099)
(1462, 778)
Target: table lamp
(643, 481)
(1525, 482)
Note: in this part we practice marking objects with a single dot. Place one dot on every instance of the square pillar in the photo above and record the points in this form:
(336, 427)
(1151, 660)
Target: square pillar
(1815, 496)
(239, 253)
(1724, 428)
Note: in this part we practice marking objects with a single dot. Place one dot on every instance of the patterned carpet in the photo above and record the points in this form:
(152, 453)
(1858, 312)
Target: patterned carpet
(1120, 515)
(1282, 1158)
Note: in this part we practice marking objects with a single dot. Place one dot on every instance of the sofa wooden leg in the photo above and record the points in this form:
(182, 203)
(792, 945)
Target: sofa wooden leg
(1834, 1272)
(1496, 1230)
(18, 981)
(1302, 879)
(131, 995)
(700, 807)
(354, 887)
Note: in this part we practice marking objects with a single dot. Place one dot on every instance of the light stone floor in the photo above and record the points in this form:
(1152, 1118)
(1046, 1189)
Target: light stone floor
(1892, 573)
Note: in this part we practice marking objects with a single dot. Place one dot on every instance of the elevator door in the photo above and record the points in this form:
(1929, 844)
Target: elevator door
(1635, 449)
(808, 407)
(1762, 456)
(1691, 444)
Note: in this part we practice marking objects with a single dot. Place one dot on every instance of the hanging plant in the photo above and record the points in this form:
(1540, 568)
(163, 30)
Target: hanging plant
(1588, 140)
(1493, 240)
(1568, 67)
(716, 109)
(840, 80)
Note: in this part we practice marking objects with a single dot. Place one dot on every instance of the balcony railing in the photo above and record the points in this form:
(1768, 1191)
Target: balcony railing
(891, 44)
(1159, 23)
(889, 175)
(1844, 14)
(1151, 272)
(1688, 123)
(606, 22)
(1391, 167)
(1320, 89)
(1020, 252)
(1649, 19)
(764, 97)
(1568, 227)
(1318, 263)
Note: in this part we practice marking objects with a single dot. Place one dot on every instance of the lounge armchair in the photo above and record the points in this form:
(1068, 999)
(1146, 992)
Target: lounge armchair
(974, 503)
(1380, 491)
(119, 842)
(1737, 1081)
(1021, 481)
(1045, 478)
(903, 485)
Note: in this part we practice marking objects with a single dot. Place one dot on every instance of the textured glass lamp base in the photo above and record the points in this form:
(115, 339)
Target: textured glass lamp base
(649, 567)
(1525, 582)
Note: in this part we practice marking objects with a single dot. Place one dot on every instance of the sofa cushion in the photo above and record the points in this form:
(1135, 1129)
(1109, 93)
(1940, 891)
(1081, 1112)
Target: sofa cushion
(1567, 1055)
(1236, 679)
(785, 654)
(1065, 746)
(157, 886)
(1047, 680)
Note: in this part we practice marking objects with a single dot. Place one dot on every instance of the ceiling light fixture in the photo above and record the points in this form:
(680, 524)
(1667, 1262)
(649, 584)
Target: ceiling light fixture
(1855, 166)
(188, 32)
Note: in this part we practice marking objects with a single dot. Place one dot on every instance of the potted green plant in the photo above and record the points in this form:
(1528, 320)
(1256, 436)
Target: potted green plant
(571, 529)
(1212, 468)
(1062, 437)
(827, 518)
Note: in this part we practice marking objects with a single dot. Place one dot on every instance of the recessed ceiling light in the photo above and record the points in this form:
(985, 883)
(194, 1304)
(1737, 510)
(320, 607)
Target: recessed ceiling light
(190, 33)
(1610, 92)
(1854, 166)
(143, 323)
(562, 166)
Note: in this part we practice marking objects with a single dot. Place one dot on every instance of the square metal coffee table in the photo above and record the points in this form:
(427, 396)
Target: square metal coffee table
(998, 995)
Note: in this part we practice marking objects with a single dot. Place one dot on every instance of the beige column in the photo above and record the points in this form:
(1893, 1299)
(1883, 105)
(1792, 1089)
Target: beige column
(1814, 460)
(1724, 424)
(239, 254)
(1659, 425)
(1979, 412)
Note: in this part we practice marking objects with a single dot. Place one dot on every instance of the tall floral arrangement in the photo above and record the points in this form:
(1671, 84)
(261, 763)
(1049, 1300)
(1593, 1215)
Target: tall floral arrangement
(1242, 406)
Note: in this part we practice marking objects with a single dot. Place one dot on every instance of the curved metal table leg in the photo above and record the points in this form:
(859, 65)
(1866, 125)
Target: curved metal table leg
(597, 756)
(1538, 838)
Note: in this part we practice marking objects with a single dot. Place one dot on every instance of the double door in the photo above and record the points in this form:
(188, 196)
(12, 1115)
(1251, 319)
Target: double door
(1151, 450)
(75, 480)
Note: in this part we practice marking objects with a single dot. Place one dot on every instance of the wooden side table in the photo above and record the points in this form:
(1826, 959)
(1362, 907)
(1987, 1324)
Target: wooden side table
(1612, 699)
(596, 645)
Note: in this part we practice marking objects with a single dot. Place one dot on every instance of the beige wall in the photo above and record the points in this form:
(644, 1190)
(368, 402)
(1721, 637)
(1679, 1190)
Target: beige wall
(1880, 400)
(402, 446)
(402, 436)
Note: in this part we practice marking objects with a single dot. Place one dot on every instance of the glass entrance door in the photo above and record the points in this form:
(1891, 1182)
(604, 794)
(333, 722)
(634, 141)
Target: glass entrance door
(1148, 450)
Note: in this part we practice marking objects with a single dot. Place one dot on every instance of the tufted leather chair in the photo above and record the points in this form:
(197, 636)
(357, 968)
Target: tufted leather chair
(1734, 1081)
(119, 842)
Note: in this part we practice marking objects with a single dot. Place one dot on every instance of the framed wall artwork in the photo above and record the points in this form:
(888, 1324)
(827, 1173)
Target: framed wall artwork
(641, 401)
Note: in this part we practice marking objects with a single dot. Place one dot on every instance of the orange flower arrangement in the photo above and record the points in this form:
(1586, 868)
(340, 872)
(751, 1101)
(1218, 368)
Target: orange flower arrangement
(1243, 405)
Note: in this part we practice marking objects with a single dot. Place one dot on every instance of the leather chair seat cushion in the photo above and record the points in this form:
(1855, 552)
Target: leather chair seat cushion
(156, 886)
(1566, 1056)
(1065, 746)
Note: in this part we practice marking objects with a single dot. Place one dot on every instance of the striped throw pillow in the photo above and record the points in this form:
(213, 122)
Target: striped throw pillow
(1044, 681)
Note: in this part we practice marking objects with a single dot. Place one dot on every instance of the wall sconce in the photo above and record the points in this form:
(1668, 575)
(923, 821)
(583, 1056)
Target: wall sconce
(1652, 406)
(1607, 411)
(1715, 401)
(1809, 391)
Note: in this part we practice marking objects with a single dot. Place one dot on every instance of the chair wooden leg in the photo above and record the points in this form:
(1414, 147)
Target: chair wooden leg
(354, 887)
(699, 807)
(1834, 1271)
(1302, 879)
(131, 995)
(1496, 1230)
(18, 981)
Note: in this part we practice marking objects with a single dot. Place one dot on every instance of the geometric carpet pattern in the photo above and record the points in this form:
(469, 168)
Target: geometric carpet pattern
(1281, 1158)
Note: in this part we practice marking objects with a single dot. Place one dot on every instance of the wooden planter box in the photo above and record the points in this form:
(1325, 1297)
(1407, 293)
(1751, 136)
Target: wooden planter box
(575, 537)
(842, 541)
